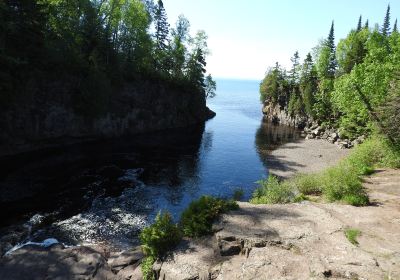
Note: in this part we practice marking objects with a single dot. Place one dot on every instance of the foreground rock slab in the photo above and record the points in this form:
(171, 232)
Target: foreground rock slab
(299, 241)
(57, 262)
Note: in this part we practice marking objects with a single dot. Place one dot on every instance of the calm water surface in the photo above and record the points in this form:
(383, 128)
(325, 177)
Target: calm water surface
(108, 191)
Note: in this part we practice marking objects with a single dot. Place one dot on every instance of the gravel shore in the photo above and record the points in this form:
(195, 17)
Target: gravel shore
(303, 156)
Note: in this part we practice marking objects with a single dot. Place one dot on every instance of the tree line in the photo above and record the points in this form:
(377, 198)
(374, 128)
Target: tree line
(101, 43)
(344, 85)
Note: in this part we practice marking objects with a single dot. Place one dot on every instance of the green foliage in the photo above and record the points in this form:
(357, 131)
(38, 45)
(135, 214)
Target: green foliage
(273, 87)
(210, 87)
(197, 219)
(308, 184)
(161, 236)
(345, 85)
(342, 182)
(271, 191)
(386, 23)
(147, 268)
(238, 194)
(352, 234)
(95, 46)
(389, 114)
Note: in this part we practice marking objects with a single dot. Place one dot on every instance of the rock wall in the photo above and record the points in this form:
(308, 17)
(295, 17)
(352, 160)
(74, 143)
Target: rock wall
(278, 115)
(49, 116)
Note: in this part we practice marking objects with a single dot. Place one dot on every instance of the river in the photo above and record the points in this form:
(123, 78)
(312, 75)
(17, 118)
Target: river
(106, 192)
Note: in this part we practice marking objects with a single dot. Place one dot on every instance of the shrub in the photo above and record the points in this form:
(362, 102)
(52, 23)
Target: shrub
(147, 268)
(308, 183)
(238, 194)
(161, 236)
(197, 219)
(272, 191)
(352, 234)
(340, 181)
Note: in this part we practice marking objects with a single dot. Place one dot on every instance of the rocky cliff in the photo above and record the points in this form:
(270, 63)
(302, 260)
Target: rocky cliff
(51, 115)
(279, 115)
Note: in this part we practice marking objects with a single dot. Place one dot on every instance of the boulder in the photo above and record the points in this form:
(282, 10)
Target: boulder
(121, 260)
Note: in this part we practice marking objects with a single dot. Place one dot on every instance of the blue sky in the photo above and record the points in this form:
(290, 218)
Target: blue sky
(246, 37)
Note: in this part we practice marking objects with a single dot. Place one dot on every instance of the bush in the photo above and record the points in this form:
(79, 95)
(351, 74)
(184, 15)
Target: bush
(160, 237)
(341, 181)
(308, 184)
(272, 191)
(197, 219)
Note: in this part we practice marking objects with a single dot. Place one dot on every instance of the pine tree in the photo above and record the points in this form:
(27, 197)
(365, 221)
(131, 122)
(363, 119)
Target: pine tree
(366, 25)
(386, 23)
(330, 43)
(395, 27)
(359, 26)
(161, 26)
(294, 72)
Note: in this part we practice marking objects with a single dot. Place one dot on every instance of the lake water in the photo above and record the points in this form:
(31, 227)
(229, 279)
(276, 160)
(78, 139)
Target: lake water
(107, 192)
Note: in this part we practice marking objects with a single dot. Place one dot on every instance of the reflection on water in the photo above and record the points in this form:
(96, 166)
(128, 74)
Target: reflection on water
(270, 136)
(107, 191)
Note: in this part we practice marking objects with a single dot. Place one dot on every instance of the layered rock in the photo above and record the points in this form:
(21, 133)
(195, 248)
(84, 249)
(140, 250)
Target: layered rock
(278, 115)
(53, 118)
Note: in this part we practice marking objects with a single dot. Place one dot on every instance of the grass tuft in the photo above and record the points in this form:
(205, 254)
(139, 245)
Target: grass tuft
(352, 234)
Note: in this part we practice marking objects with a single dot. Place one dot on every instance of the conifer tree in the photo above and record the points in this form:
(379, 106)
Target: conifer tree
(332, 49)
(294, 72)
(366, 25)
(359, 25)
(386, 23)
(161, 26)
(395, 27)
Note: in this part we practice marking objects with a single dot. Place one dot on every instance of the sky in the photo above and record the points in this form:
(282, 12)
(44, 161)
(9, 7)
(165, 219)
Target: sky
(247, 37)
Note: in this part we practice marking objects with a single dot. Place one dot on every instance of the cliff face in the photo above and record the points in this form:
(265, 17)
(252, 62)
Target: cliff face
(51, 117)
(278, 115)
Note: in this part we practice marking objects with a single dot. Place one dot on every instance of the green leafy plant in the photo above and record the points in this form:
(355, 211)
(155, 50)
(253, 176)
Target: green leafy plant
(272, 191)
(197, 219)
(147, 268)
(352, 234)
(157, 239)
(308, 184)
(161, 236)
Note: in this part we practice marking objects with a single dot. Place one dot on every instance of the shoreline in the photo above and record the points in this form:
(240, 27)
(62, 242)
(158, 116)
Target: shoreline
(303, 156)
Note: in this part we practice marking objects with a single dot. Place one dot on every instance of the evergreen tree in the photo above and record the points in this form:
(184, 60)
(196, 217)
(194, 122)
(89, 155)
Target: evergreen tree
(395, 27)
(385, 30)
(366, 25)
(359, 25)
(161, 26)
(308, 84)
(332, 49)
(294, 71)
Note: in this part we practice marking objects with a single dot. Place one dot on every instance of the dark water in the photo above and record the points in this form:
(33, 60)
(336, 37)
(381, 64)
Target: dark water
(108, 191)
